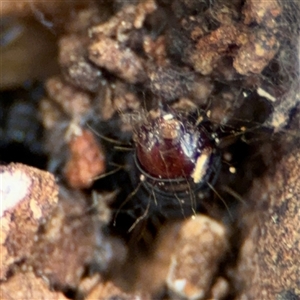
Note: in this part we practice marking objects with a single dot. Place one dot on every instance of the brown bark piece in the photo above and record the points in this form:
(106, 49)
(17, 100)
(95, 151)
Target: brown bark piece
(269, 264)
(117, 26)
(87, 160)
(201, 244)
(28, 195)
(28, 286)
(261, 12)
(122, 62)
(211, 48)
(128, 18)
(257, 53)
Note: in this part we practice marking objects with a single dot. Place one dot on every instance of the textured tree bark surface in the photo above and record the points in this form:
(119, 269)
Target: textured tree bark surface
(270, 255)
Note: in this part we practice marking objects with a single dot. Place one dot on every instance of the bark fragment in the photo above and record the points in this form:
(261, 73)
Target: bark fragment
(269, 262)
(199, 249)
(87, 160)
(28, 196)
(28, 286)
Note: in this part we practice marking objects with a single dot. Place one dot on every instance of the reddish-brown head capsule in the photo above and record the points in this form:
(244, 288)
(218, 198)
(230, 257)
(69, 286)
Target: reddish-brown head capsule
(171, 147)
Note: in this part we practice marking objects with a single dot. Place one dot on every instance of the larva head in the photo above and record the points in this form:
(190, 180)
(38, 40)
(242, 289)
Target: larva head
(170, 146)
